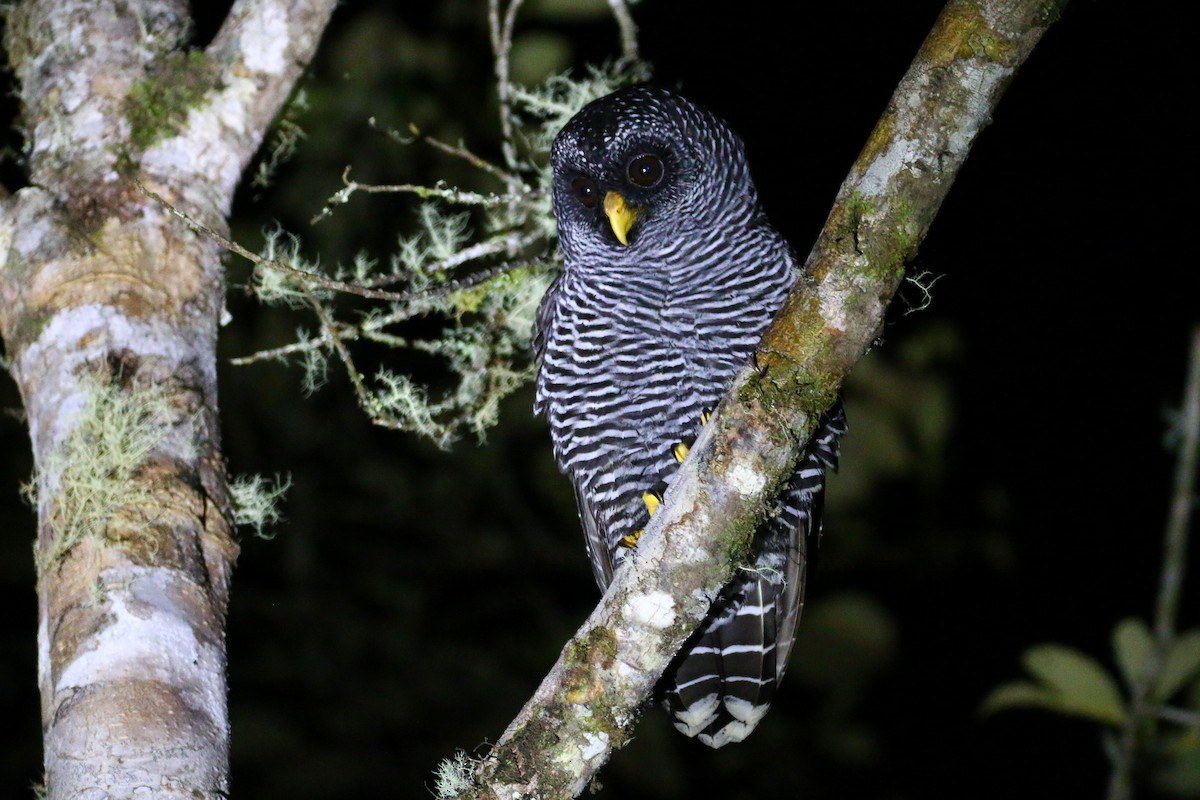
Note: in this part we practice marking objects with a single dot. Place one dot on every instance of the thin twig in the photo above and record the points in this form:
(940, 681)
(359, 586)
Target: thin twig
(502, 36)
(510, 179)
(508, 246)
(312, 279)
(329, 330)
(1182, 505)
(365, 290)
(1141, 705)
(628, 30)
(456, 196)
(279, 353)
(1180, 716)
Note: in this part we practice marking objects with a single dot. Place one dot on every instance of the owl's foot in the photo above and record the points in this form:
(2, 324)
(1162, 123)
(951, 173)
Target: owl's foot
(653, 500)
(681, 449)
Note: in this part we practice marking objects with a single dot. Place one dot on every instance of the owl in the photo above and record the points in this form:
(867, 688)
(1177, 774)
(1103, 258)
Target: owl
(672, 273)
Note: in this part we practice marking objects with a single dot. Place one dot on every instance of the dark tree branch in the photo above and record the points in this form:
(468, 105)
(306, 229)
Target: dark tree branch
(589, 702)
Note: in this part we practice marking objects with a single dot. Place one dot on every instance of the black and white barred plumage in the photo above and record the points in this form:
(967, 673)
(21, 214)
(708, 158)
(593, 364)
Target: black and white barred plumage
(672, 273)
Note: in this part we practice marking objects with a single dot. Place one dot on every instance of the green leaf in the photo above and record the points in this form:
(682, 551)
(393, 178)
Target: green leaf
(1179, 776)
(1083, 686)
(1019, 694)
(1132, 645)
(1180, 666)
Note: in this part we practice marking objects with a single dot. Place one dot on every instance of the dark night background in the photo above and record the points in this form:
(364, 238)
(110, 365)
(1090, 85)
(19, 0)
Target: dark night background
(1004, 482)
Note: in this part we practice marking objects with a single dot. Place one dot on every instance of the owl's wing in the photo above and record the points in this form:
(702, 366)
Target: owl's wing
(597, 542)
(808, 483)
(803, 537)
(545, 318)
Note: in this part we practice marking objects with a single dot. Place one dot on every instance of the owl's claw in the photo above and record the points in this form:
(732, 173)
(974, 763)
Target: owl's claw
(652, 500)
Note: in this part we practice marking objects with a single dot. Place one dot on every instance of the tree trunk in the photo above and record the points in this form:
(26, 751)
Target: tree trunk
(109, 308)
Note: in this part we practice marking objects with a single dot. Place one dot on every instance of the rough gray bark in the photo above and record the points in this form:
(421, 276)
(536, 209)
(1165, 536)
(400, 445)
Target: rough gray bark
(589, 702)
(109, 308)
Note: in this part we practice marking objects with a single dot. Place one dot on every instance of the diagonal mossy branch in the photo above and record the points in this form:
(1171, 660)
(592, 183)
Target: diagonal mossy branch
(590, 700)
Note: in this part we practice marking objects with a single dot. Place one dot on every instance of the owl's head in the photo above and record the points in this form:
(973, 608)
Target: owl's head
(642, 168)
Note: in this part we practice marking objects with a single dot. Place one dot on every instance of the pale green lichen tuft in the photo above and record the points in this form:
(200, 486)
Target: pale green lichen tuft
(285, 141)
(256, 502)
(287, 282)
(95, 467)
(452, 777)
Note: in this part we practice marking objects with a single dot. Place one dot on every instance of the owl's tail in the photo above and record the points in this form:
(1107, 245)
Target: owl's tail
(723, 680)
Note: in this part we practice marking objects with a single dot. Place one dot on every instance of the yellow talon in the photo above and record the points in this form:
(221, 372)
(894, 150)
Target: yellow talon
(652, 501)
(631, 540)
(705, 416)
(681, 450)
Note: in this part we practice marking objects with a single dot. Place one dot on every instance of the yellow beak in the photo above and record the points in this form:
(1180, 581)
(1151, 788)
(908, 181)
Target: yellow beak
(620, 216)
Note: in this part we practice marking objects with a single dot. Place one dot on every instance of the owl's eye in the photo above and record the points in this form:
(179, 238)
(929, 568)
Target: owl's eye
(645, 171)
(585, 191)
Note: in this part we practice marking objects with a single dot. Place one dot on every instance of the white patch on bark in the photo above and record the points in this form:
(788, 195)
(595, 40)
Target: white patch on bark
(34, 221)
(149, 635)
(594, 744)
(194, 152)
(834, 302)
(653, 610)
(887, 165)
(43, 646)
(745, 480)
(980, 80)
(264, 40)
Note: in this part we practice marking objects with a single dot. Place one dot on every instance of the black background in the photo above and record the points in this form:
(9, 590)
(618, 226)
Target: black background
(1005, 480)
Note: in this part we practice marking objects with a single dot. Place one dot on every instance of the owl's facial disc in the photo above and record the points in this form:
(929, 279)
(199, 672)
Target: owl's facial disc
(620, 216)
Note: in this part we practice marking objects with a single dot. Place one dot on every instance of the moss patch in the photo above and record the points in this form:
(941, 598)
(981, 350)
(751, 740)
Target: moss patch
(595, 651)
(736, 547)
(158, 104)
(964, 33)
